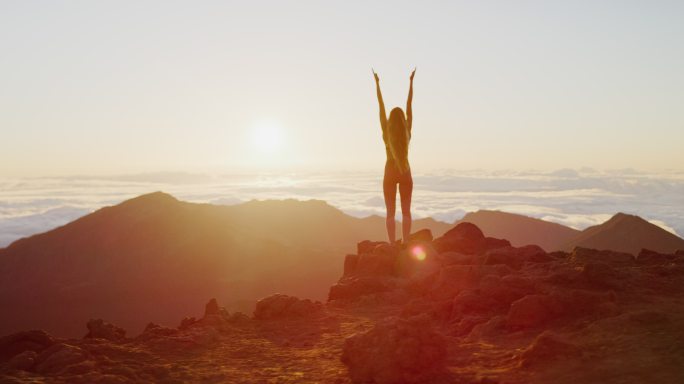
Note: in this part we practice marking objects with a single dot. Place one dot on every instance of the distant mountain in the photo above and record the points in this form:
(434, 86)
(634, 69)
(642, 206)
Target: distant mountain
(627, 233)
(153, 258)
(521, 230)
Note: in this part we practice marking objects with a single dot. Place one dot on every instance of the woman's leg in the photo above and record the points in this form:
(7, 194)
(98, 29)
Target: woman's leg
(389, 189)
(405, 192)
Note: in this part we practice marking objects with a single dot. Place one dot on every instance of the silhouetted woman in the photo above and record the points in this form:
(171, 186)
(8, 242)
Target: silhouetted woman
(396, 133)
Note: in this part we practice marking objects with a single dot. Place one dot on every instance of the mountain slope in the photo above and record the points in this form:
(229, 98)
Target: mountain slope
(521, 230)
(627, 233)
(152, 258)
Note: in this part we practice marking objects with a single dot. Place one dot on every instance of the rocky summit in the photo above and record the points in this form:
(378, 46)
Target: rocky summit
(459, 308)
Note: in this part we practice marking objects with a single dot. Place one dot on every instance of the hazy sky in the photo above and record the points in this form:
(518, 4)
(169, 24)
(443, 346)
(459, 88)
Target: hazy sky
(109, 87)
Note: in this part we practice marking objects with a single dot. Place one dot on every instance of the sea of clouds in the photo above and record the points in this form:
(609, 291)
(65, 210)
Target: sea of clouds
(577, 198)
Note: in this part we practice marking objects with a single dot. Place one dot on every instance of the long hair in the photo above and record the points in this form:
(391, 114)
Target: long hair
(398, 139)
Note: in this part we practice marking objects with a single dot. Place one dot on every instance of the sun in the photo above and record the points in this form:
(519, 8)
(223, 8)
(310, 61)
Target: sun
(267, 136)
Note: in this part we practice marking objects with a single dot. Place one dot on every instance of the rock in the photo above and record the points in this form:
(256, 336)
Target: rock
(599, 274)
(187, 322)
(58, 357)
(421, 236)
(380, 262)
(350, 262)
(153, 330)
(648, 257)
(454, 278)
(19, 342)
(493, 243)
(516, 257)
(487, 329)
(367, 246)
(397, 351)
(456, 258)
(506, 290)
(356, 287)
(23, 361)
(585, 255)
(464, 238)
(99, 329)
(532, 311)
(212, 308)
(239, 318)
(547, 347)
(469, 302)
(281, 306)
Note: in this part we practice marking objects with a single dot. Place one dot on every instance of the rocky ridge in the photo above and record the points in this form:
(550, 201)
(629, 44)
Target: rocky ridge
(461, 308)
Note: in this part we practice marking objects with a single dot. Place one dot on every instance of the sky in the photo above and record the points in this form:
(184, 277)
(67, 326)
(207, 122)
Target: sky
(113, 87)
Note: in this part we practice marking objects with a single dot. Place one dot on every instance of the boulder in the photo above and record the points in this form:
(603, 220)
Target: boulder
(212, 308)
(532, 311)
(469, 302)
(494, 243)
(187, 322)
(455, 278)
(99, 329)
(367, 246)
(153, 331)
(23, 361)
(506, 290)
(396, 351)
(282, 306)
(584, 255)
(548, 347)
(648, 257)
(464, 238)
(516, 257)
(58, 357)
(350, 262)
(356, 287)
(599, 274)
(421, 236)
(16, 343)
(380, 261)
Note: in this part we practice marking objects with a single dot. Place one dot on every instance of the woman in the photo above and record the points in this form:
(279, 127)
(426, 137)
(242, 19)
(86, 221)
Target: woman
(396, 133)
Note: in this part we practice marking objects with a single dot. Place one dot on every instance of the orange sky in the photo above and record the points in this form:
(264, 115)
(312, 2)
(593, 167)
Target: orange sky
(101, 88)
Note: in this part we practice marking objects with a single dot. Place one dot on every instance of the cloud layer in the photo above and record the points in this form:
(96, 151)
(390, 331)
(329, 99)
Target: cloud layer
(575, 198)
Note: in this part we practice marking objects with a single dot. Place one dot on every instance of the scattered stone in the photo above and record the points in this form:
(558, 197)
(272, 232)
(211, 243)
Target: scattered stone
(397, 351)
(280, 306)
(99, 329)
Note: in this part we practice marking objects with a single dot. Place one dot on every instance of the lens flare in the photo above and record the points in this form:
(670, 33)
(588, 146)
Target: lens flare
(419, 253)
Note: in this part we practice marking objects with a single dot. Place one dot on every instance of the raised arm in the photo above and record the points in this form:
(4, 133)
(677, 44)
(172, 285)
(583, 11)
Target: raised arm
(409, 110)
(383, 115)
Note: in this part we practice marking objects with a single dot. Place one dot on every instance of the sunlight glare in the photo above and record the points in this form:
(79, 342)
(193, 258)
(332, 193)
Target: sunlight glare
(267, 136)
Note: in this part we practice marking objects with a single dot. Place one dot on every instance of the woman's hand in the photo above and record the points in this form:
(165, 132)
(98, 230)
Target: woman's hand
(412, 73)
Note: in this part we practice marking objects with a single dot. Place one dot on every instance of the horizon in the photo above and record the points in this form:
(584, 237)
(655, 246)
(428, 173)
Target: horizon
(574, 198)
(150, 87)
